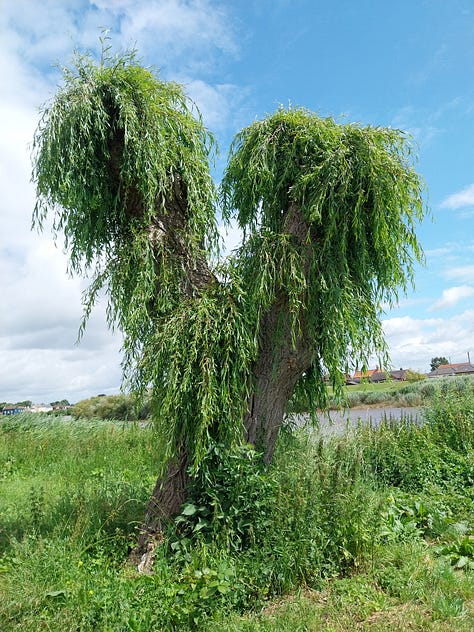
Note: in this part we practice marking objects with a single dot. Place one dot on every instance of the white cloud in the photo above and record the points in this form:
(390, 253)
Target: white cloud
(413, 342)
(452, 295)
(232, 237)
(464, 274)
(191, 34)
(460, 199)
(45, 375)
(215, 103)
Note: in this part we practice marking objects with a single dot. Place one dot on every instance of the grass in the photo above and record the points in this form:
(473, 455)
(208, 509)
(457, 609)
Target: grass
(384, 387)
(373, 530)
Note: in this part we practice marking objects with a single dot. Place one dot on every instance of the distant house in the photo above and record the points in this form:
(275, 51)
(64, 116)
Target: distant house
(376, 375)
(451, 370)
(41, 408)
(360, 376)
(350, 380)
(12, 410)
(399, 376)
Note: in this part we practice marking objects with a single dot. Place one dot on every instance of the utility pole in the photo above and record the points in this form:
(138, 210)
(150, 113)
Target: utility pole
(469, 357)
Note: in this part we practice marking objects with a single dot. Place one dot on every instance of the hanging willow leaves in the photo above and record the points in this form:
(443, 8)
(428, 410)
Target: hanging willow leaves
(328, 212)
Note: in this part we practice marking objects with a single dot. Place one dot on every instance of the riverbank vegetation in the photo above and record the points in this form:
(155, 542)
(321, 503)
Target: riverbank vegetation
(386, 394)
(372, 530)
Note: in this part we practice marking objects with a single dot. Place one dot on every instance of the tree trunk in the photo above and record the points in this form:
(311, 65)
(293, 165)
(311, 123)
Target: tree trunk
(168, 496)
(279, 366)
(280, 363)
(276, 372)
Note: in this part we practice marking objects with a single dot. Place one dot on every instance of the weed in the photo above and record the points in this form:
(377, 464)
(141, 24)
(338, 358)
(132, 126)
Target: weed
(460, 552)
(37, 508)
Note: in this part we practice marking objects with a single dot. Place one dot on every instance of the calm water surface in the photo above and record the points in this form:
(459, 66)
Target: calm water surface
(337, 421)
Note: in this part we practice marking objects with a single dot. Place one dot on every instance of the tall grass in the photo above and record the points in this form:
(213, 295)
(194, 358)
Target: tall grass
(364, 522)
(72, 477)
(402, 394)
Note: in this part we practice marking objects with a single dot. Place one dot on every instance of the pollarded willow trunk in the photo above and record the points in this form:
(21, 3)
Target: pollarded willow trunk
(281, 361)
(283, 356)
(276, 372)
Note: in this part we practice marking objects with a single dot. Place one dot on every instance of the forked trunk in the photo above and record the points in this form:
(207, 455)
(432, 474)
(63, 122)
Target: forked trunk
(278, 368)
(276, 372)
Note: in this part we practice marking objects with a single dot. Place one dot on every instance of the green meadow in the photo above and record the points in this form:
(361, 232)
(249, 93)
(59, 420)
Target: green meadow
(370, 530)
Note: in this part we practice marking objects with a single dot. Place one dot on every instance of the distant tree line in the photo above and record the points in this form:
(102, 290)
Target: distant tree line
(26, 403)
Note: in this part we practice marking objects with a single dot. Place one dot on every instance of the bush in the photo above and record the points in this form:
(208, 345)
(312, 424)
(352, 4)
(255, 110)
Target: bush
(231, 502)
(451, 415)
(121, 407)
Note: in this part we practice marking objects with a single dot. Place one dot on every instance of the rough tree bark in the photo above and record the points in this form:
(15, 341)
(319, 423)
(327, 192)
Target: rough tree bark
(168, 496)
(277, 370)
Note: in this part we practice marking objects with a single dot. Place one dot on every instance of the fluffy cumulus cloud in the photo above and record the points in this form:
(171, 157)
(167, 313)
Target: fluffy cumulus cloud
(411, 339)
(218, 104)
(453, 295)
(40, 359)
(194, 29)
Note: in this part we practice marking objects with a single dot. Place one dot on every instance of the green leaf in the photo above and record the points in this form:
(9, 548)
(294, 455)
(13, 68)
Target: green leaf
(189, 510)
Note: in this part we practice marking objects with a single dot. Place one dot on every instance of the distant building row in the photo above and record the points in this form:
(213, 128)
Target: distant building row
(446, 370)
(376, 375)
(35, 408)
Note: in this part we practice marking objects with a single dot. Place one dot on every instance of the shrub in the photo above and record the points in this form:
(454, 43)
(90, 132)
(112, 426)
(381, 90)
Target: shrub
(121, 407)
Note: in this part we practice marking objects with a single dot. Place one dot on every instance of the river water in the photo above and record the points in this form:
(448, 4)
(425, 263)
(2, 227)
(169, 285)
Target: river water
(336, 421)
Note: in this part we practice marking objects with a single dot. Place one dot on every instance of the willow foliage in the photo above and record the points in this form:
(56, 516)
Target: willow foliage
(358, 200)
(328, 211)
(107, 153)
(116, 155)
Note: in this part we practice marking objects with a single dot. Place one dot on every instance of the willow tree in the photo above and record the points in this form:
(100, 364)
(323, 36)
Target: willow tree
(328, 214)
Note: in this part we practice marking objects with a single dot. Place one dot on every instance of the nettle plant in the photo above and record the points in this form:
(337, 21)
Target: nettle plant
(121, 160)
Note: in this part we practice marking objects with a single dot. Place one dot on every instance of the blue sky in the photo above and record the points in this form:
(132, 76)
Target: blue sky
(407, 64)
